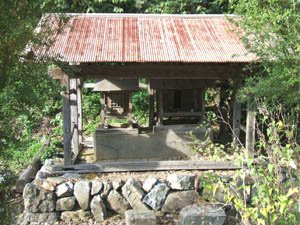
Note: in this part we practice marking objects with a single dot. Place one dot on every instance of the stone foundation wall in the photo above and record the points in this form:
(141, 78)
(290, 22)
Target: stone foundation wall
(73, 198)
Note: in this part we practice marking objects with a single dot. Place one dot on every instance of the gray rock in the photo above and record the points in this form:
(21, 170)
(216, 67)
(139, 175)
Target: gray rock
(117, 184)
(96, 187)
(98, 208)
(225, 178)
(43, 174)
(140, 217)
(40, 218)
(117, 202)
(133, 193)
(107, 187)
(64, 190)
(38, 200)
(181, 182)
(214, 193)
(202, 215)
(82, 191)
(49, 183)
(76, 216)
(149, 183)
(65, 204)
(157, 196)
(178, 200)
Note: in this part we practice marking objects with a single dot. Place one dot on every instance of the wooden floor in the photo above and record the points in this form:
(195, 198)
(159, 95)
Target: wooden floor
(85, 164)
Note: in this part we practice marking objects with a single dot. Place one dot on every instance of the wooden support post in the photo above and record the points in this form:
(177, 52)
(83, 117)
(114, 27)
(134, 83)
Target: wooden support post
(102, 109)
(160, 107)
(130, 109)
(250, 129)
(151, 106)
(79, 104)
(203, 90)
(223, 111)
(66, 120)
(236, 122)
(195, 99)
(74, 115)
(236, 115)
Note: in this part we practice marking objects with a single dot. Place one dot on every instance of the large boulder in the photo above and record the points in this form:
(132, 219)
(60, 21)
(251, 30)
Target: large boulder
(133, 193)
(181, 181)
(117, 202)
(199, 214)
(98, 208)
(140, 217)
(65, 204)
(38, 200)
(82, 190)
(178, 200)
(157, 196)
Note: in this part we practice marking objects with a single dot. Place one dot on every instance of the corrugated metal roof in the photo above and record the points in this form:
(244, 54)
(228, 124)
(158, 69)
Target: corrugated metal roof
(148, 38)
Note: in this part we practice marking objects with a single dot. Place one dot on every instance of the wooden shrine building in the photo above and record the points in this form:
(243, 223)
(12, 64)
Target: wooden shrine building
(179, 55)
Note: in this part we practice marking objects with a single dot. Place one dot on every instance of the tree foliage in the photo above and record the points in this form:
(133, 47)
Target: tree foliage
(271, 30)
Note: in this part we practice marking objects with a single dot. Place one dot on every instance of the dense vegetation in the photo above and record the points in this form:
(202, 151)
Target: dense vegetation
(31, 104)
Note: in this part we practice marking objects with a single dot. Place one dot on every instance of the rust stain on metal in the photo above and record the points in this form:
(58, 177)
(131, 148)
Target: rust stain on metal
(148, 38)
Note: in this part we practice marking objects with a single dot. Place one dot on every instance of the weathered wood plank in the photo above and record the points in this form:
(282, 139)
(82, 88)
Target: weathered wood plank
(66, 120)
(106, 167)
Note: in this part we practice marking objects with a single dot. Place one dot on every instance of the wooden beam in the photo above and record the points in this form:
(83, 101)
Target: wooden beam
(250, 129)
(74, 115)
(66, 120)
(162, 70)
(106, 167)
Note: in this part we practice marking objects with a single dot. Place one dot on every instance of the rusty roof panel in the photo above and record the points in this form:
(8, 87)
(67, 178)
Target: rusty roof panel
(148, 38)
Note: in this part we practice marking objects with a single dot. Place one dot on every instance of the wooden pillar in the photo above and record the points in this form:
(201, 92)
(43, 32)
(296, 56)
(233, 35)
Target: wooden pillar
(203, 90)
(79, 104)
(130, 109)
(236, 115)
(250, 129)
(103, 96)
(222, 106)
(74, 115)
(151, 106)
(66, 120)
(160, 107)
